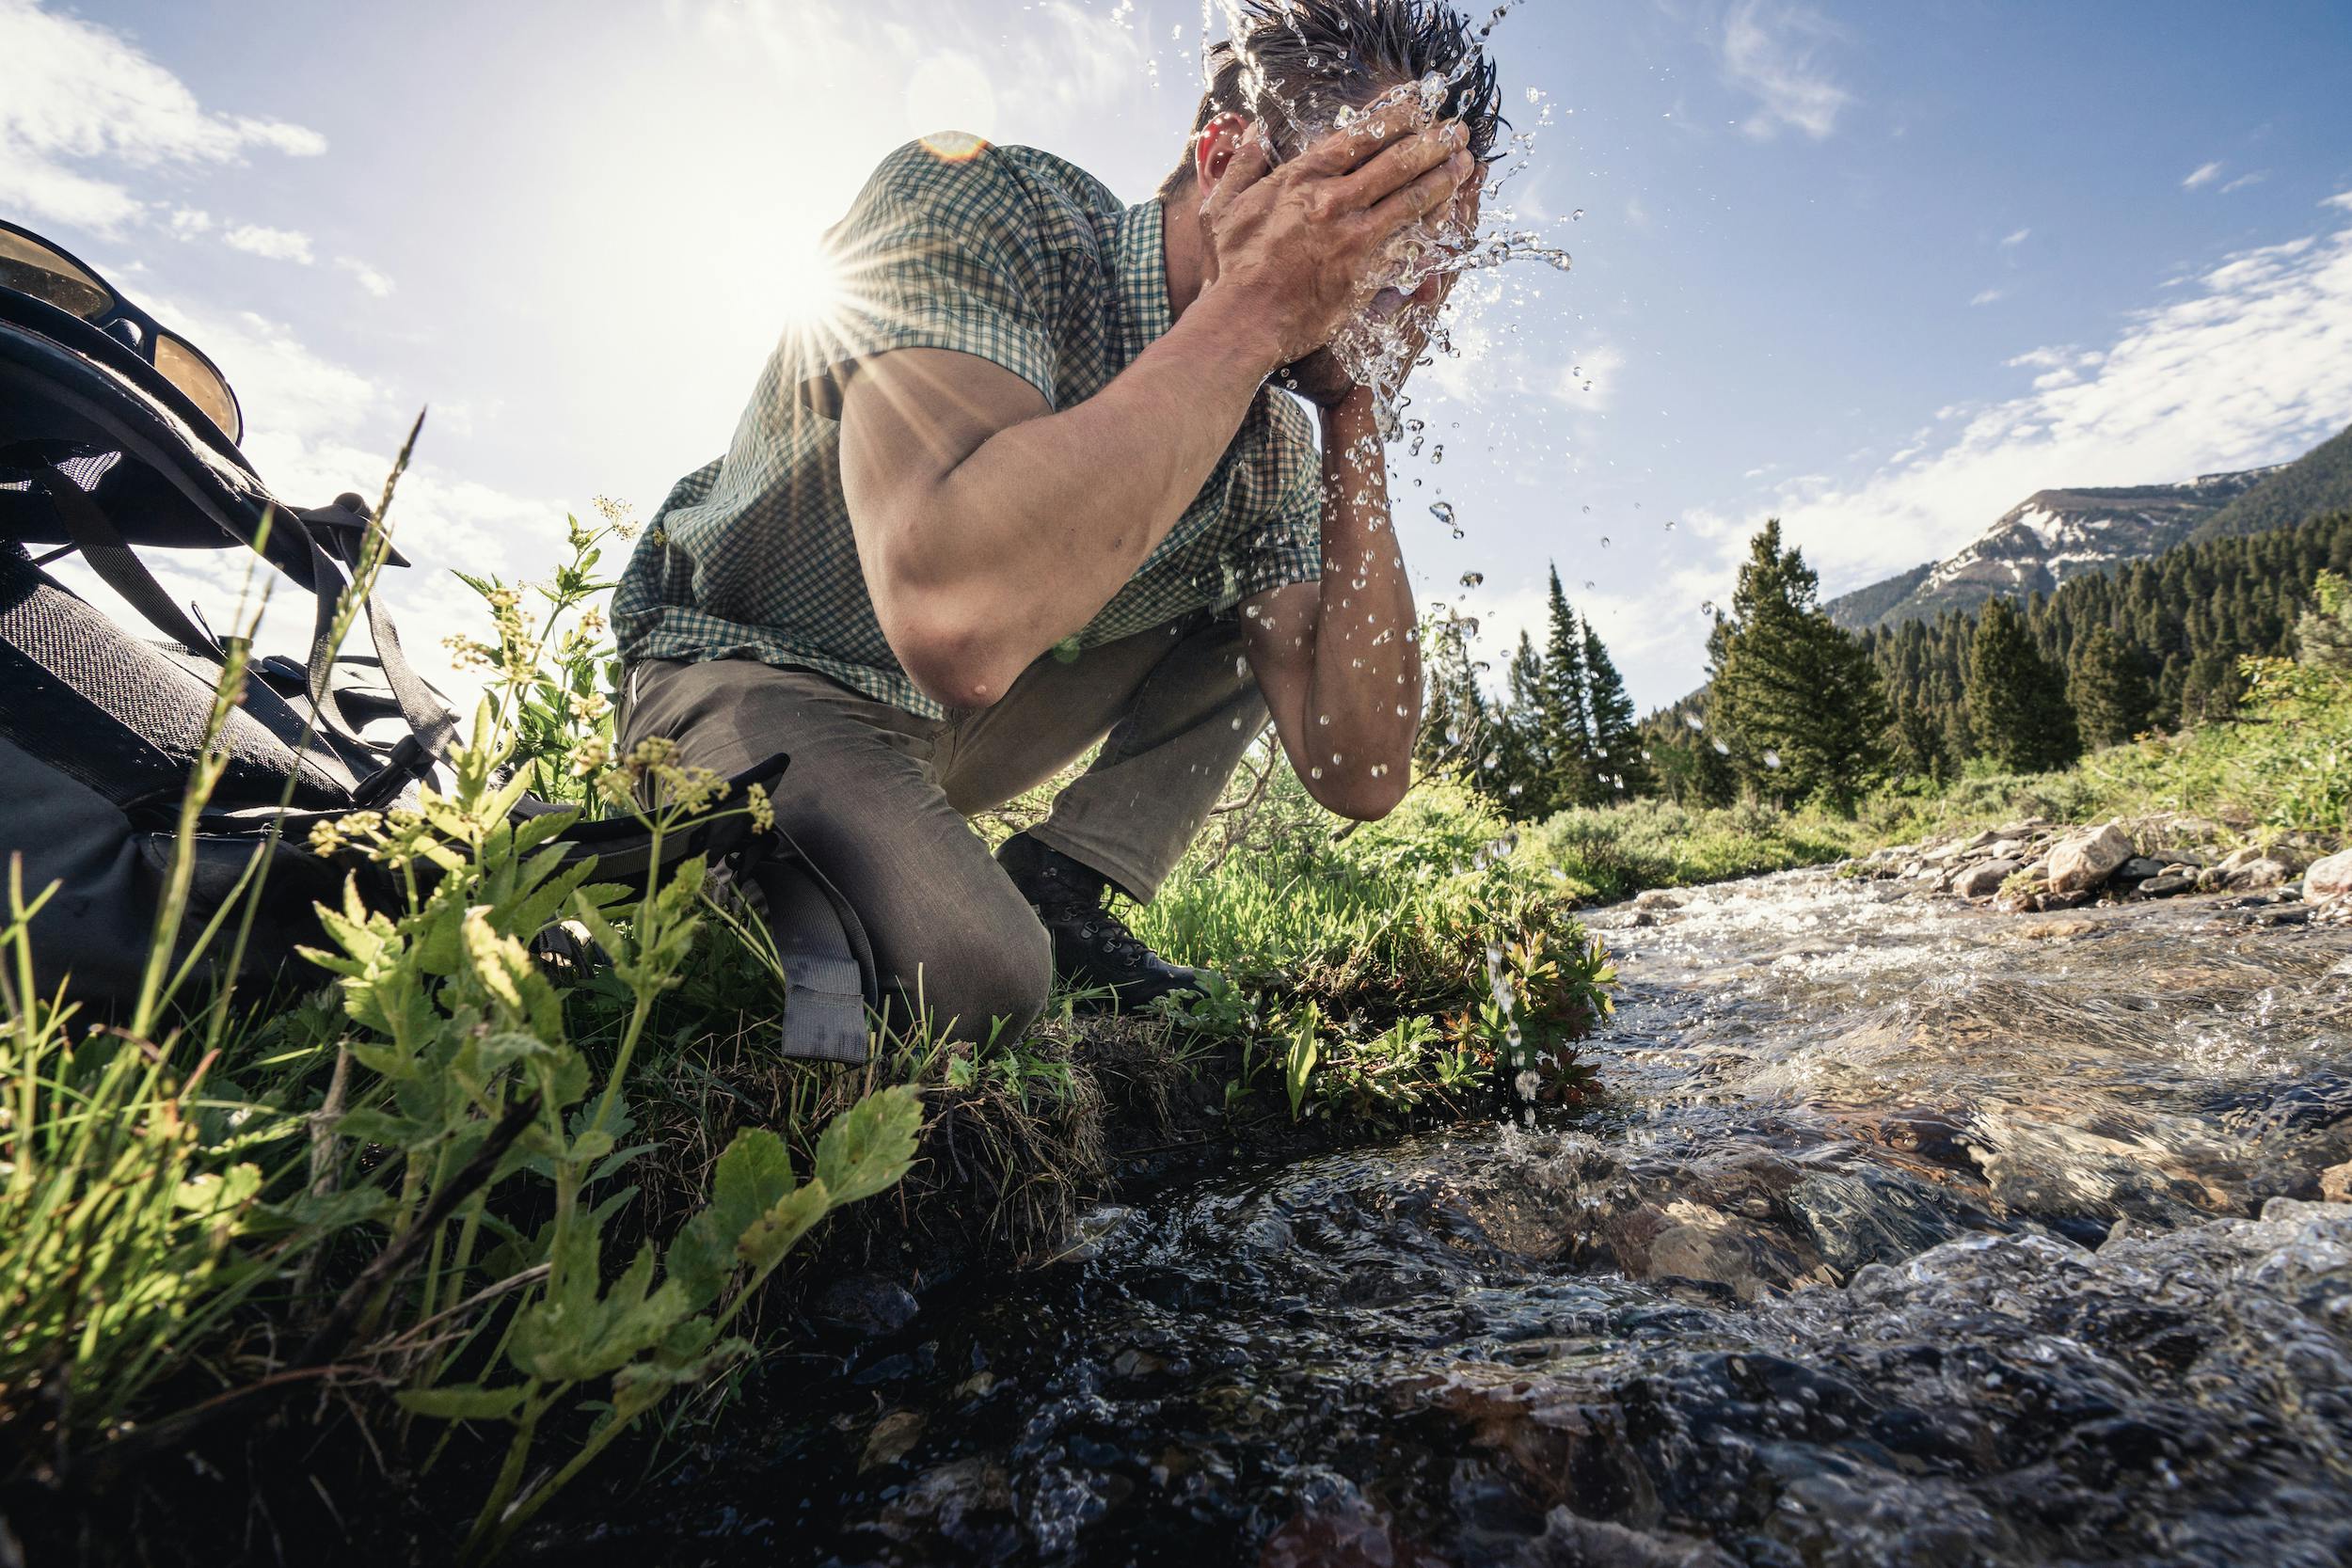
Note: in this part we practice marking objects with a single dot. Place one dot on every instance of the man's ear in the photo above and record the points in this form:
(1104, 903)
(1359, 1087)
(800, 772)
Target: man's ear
(1214, 147)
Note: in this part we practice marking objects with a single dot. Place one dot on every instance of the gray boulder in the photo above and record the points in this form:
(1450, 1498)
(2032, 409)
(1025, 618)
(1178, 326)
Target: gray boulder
(2329, 877)
(2084, 859)
(1984, 878)
(2138, 869)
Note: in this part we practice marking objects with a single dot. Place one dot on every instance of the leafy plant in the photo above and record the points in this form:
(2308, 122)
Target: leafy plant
(1299, 1060)
(547, 681)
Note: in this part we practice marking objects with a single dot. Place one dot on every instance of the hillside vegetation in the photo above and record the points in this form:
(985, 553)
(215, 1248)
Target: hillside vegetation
(2320, 481)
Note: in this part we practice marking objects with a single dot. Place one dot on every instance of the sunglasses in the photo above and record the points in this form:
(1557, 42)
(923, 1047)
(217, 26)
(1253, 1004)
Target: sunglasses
(31, 265)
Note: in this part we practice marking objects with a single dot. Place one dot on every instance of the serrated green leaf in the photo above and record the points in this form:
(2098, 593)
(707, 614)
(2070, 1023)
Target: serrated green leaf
(868, 1147)
(775, 1232)
(751, 1176)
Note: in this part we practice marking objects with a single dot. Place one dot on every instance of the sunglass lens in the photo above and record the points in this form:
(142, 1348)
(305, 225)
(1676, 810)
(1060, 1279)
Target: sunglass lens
(30, 267)
(193, 375)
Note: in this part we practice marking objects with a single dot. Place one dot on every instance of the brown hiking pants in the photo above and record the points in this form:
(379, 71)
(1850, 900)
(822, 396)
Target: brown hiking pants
(877, 798)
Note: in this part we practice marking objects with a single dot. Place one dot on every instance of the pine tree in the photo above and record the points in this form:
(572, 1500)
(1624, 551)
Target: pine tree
(2210, 690)
(1573, 775)
(2017, 705)
(2108, 689)
(1518, 771)
(1915, 743)
(1797, 699)
(1456, 720)
(1617, 738)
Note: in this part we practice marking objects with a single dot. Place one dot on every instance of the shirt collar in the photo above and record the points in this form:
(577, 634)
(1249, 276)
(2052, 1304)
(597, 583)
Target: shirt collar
(1142, 263)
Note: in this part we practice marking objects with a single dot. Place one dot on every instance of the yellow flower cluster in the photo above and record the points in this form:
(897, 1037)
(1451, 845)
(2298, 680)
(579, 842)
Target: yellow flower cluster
(387, 838)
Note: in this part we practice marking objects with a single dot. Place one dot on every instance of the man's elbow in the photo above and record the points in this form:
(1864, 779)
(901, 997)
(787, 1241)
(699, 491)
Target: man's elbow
(1362, 798)
(958, 661)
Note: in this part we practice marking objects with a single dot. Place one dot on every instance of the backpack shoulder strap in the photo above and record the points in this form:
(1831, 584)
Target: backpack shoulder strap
(117, 565)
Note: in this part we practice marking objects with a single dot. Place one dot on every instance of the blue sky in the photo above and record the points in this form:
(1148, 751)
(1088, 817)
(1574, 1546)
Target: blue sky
(1880, 270)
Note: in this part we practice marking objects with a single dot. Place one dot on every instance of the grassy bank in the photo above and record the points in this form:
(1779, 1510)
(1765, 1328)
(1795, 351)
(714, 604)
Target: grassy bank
(398, 1253)
(2282, 764)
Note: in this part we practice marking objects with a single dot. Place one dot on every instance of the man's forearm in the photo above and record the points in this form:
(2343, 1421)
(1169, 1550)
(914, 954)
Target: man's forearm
(1363, 695)
(1048, 519)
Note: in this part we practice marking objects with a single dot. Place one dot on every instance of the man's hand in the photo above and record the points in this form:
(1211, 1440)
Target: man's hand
(1299, 247)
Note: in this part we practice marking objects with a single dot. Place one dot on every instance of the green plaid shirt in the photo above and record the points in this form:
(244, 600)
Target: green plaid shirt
(1029, 262)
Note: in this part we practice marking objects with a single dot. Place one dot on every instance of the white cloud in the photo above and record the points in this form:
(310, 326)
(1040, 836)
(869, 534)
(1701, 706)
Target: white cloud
(2252, 366)
(1772, 52)
(274, 244)
(1987, 296)
(2204, 174)
(314, 429)
(2017, 238)
(1587, 384)
(365, 275)
(2342, 199)
(73, 92)
(188, 222)
(2256, 178)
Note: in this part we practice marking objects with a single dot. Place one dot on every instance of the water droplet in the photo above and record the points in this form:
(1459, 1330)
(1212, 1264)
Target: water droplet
(1694, 721)
(1436, 454)
(1772, 759)
(1721, 749)
(1604, 541)
(1323, 719)
(1473, 579)
(1314, 772)
(1576, 215)
(1443, 512)
(1453, 735)
(1241, 668)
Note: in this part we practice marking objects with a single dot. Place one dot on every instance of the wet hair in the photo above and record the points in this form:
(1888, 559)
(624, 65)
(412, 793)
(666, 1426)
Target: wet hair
(1293, 63)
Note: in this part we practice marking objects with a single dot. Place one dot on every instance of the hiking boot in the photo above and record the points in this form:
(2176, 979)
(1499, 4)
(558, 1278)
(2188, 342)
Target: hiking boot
(1093, 949)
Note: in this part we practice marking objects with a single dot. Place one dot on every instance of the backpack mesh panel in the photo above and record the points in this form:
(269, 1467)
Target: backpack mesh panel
(114, 713)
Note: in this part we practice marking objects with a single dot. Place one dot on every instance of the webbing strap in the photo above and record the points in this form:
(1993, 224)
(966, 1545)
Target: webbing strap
(118, 567)
(431, 726)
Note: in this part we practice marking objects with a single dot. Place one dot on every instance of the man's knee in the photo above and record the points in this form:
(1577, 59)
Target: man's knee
(988, 982)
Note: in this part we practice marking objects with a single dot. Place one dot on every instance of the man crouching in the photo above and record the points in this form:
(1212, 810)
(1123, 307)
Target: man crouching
(1031, 487)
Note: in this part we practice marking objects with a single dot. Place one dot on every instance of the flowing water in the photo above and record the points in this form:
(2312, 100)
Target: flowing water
(1911, 1234)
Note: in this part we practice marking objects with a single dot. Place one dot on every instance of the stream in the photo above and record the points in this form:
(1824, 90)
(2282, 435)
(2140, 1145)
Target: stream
(1908, 1233)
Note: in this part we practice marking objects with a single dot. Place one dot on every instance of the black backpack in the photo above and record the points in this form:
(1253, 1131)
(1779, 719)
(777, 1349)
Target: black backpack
(99, 728)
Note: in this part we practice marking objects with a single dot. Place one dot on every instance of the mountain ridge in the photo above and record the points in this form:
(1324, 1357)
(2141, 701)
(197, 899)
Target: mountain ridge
(2045, 540)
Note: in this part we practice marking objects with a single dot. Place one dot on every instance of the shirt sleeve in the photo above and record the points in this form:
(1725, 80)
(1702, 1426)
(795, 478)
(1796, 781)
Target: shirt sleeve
(1285, 545)
(937, 251)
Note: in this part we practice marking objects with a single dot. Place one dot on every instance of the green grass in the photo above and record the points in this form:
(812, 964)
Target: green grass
(2284, 764)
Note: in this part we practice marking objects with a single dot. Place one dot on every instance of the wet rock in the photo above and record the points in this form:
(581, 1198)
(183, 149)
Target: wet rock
(2084, 859)
(2261, 872)
(2166, 885)
(892, 1436)
(2335, 1183)
(1660, 898)
(2329, 877)
(967, 1504)
(2057, 931)
(2138, 869)
(865, 1304)
(1571, 1540)
(1984, 878)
